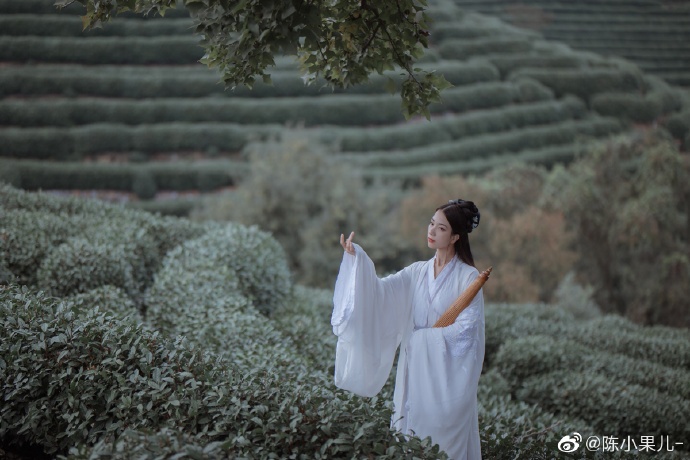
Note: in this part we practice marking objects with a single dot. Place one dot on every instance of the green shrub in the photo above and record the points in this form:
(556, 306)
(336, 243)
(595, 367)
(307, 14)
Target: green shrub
(177, 207)
(178, 175)
(512, 429)
(532, 91)
(74, 143)
(610, 333)
(459, 126)
(510, 321)
(611, 406)
(251, 257)
(486, 145)
(678, 124)
(169, 50)
(27, 237)
(70, 25)
(338, 109)
(511, 62)
(546, 156)
(637, 218)
(630, 106)
(575, 298)
(151, 82)
(107, 298)
(10, 174)
(144, 185)
(584, 83)
(464, 49)
(49, 8)
(78, 265)
(525, 357)
(34, 224)
(94, 376)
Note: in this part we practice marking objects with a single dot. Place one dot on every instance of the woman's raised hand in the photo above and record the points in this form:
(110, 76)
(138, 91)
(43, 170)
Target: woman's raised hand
(347, 243)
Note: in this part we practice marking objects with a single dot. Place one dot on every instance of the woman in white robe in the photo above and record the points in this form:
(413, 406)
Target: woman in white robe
(438, 368)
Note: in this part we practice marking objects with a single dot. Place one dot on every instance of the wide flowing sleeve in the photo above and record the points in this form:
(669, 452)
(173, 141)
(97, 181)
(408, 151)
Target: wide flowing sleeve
(464, 335)
(369, 315)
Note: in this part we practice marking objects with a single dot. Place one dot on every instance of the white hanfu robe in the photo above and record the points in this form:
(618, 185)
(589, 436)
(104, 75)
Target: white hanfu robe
(438, 368)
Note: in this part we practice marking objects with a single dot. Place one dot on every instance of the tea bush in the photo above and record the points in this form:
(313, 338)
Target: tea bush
(467, 48)
(584, 83)
(251, 261)
(69, 144)
(609, 405)
(610, 333)
(524, 357)
(178, 175)
(78, 265)
(34, 225)
(27, 237)
(47, 8)
(107, 298)
(183, 49)
(132, 82)
(678, 125)
(487, 144)
(94, 376)
(634, 107)
(341, 110)
(508, 63)
(70, 25)
(459, 126)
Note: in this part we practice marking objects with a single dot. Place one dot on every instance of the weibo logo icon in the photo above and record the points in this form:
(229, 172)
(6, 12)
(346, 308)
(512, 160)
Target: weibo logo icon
(570, 443)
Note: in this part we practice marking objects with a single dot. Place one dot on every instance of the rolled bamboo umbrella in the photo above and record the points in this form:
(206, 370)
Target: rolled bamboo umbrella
(463, 300)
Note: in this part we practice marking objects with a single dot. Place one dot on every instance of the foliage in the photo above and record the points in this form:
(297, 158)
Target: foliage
(458, 126)
(632, 106)
(610, 333)
(178, 175)
(327, 109)
(342, 41)
(76, 142)
(679, 126)
(107, 298)
(575, 298)
(78, 265)
(40, 236)
(248, 261)
(160, 50)
(584, 83)
(95, 376)
(547, 137)
(611, 406)
(528, 356)
(631, 232)
(306, 199)
(159, 82)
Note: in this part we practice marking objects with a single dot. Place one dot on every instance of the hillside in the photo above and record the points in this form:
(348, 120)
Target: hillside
(653, 34)
(128, 109)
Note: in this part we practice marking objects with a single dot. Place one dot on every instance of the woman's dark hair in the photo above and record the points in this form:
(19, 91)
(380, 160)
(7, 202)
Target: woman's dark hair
(463, 217)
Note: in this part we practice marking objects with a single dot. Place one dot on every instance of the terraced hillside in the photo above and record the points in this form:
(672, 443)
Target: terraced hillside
(128, 107)
(655, 35)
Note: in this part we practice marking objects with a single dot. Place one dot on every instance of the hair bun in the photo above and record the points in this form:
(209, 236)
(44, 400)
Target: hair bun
(471, 212)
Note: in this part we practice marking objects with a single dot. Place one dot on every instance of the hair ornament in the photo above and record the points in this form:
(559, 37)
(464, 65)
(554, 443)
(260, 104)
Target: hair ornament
(473, 214)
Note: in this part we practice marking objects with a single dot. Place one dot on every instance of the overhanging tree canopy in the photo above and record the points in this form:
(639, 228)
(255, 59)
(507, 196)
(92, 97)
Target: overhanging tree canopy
(343, 41)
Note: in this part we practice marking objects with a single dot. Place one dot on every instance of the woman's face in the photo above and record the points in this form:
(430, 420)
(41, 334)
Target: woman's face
(439, 234)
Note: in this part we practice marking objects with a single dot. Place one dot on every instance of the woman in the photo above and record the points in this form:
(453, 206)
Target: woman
(438, 368)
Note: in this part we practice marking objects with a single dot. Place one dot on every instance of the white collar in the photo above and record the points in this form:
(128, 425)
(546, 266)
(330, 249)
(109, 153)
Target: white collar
(436, 283)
